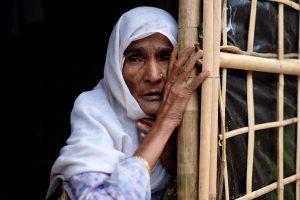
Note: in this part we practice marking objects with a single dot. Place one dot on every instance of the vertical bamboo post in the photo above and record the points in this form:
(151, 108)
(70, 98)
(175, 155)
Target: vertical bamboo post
(280, 104)
(250, 101)
(209, 99)
(223, 104)
(187, 160)
(298, 125)
(206, 101)
(215, 97)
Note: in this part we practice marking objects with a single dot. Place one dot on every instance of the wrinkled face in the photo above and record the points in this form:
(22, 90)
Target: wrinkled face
(145, 68)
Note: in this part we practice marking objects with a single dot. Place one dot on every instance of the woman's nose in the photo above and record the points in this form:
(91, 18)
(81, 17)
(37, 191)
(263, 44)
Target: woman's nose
(153, 72)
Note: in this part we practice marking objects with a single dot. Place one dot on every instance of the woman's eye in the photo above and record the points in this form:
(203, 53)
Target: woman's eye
(135, 59)
(164, 58)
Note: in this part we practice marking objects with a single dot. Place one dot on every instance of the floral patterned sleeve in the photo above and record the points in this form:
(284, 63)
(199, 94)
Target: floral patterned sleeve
(130, 180)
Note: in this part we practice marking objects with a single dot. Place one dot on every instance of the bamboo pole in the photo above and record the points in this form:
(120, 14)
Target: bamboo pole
(258, 127)
(250, 101)
(244, 62)
(206, 101)
(280, 104)
(187, 157)
(224, 170)
(236, 50)
(268, 188)
(215, 99)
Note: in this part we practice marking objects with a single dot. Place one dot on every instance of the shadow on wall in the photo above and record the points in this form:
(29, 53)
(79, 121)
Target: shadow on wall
(53, 51)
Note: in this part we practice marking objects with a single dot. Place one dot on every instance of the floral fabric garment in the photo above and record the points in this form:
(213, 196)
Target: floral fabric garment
(130, 181)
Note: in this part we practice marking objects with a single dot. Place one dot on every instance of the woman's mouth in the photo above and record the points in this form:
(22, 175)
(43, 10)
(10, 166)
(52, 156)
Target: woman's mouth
(153, 96)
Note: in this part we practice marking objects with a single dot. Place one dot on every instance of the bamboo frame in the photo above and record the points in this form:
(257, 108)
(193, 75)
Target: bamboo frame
(250, 61)
(187, 157)
(284, 67)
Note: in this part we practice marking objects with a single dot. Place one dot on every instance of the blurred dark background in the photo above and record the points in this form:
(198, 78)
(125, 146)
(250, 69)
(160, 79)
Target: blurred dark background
(51, 52)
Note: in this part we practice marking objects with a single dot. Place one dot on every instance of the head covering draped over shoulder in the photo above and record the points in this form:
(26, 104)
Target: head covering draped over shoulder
(103, 119)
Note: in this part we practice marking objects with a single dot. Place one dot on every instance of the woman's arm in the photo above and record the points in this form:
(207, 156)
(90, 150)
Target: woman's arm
(130, 181)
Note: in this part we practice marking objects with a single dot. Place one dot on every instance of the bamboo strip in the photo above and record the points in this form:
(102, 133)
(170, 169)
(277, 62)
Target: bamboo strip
(269, 188)
(224, 22)
(251, 133)
(250, 101)
(251, 29)
(290, 3)
(215, 99)
(222, 106)
(187, 143)
(258, 127)
(298, 140)
(206, 101)
(236, 50)
(280, 104)
(243, 62)
(224, 173)
(280, 99)
(224, 156)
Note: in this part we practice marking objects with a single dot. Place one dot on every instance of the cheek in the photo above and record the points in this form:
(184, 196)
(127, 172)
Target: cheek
(132, 80)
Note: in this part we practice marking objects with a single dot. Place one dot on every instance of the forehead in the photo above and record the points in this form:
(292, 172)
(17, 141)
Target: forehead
(157, 39)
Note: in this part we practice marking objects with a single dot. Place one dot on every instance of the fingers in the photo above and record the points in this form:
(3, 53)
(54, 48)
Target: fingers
(179, 63)
(186, 70)
(172, 60)
(147, 121)
(176, 66)
(144, 125)
(199, 79)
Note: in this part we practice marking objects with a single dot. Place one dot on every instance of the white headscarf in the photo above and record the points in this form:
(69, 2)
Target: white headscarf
(103, 120)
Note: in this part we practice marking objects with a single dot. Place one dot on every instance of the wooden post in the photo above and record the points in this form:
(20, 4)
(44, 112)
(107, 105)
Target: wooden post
(187, 160)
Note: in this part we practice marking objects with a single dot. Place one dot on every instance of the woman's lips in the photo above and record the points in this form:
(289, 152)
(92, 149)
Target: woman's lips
(152, 96)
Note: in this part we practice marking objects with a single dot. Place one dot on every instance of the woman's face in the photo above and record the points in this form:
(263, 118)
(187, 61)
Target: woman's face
(145, 68)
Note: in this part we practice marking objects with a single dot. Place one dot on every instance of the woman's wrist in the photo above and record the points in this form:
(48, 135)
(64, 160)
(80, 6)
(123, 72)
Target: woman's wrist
(145, 163)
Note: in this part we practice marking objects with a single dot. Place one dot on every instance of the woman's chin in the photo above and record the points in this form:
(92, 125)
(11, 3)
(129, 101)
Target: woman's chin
(151, 109)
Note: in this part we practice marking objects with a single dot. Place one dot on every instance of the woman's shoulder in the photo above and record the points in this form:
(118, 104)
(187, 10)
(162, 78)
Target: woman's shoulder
(95, 95)
(94, 104)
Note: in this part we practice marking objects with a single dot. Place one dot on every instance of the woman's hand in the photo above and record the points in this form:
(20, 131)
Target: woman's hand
(178, 88)
(169, 155)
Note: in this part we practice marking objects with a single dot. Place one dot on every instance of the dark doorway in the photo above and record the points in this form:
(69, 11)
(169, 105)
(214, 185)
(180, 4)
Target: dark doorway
(54, 50)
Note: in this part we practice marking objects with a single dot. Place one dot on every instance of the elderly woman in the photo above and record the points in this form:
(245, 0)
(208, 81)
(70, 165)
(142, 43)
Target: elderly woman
(143, 93)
